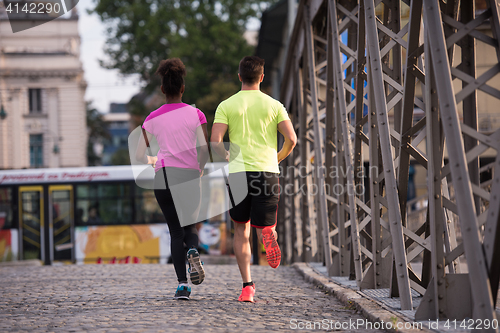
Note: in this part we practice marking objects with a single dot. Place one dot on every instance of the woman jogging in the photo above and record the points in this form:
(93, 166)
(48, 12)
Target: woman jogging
(178, 167)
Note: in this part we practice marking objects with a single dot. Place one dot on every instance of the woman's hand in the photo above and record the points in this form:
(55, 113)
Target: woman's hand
(152, 160)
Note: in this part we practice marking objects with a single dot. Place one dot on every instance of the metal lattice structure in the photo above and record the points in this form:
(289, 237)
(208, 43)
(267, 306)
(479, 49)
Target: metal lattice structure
(355, 74)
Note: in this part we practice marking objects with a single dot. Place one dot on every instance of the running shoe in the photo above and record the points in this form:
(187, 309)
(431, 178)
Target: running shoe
(182, 292)
(273, 252)
(195, 270)
(247, 294)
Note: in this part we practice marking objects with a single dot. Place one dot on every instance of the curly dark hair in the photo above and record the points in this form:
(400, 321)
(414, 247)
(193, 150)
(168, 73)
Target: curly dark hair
(172, 72)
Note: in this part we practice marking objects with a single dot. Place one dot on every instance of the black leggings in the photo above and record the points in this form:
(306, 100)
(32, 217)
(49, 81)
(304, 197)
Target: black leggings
(179, 235)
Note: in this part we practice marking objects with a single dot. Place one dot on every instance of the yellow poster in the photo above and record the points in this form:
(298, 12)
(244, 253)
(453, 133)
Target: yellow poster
(112, 244)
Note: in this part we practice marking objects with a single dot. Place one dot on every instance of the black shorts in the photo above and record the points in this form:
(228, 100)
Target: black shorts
(260, 206)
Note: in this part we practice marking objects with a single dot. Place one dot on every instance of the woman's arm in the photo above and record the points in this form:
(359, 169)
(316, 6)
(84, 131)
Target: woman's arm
(140, 153)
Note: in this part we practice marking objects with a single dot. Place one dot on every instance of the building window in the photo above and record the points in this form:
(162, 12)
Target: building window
(36, 150)
(35, 96)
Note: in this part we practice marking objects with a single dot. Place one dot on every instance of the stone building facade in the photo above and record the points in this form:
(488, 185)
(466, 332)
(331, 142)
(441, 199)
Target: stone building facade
(43, 123)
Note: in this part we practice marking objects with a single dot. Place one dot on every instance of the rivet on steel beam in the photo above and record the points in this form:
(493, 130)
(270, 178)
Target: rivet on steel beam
(440, 296)
(440, 282)
(377, 273)
(440, 266)
(441, 311)
(401, 275)
(400, 264)
(436, 196)
(378, 283)
(373, 126)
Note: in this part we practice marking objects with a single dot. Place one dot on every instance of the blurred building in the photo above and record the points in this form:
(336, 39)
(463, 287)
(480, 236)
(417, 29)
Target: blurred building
(115, 150)
(42, 91)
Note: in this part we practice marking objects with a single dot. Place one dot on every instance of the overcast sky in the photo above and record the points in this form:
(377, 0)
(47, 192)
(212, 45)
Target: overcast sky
(106, 86)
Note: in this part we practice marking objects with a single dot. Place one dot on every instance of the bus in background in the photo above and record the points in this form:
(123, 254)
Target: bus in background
(98, 215)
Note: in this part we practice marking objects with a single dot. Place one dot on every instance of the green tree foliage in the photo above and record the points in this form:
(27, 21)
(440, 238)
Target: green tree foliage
(97, 131)
(206, 34)
(219, 90)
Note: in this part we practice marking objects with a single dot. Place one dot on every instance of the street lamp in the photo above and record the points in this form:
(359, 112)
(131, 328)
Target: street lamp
(3, 114)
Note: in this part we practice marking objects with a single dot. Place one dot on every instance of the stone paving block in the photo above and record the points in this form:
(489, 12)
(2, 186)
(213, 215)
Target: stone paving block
(139, 298)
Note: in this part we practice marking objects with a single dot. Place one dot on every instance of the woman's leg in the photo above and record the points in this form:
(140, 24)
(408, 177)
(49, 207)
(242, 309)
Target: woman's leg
(185, 186)
(191, 236)
(164, 198)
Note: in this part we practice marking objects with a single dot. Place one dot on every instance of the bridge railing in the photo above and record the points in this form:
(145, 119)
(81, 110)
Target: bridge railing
(356, 73)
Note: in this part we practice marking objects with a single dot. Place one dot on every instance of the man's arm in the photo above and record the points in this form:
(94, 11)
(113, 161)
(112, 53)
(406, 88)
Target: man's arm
(286, 128)
(202, 136)
(218, 131)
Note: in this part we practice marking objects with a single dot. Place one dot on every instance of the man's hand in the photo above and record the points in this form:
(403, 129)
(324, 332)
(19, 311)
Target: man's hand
(218, 131)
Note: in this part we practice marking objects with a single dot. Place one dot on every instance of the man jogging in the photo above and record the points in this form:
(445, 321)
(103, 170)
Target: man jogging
(253, 120)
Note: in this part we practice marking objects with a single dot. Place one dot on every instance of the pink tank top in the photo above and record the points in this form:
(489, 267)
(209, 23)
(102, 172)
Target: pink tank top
(174, 127)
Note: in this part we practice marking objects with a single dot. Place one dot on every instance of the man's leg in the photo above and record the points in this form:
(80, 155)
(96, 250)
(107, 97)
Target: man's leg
(259, 233)
(264, 214)
(242, 250)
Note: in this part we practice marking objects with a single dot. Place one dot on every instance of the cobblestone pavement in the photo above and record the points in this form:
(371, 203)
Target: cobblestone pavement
(133, 298)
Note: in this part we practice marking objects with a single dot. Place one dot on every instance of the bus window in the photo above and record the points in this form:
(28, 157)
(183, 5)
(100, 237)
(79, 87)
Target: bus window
(146, 208)
(6, 208)
(104, 204)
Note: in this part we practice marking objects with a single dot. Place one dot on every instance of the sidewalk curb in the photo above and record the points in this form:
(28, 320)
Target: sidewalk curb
(369, 308)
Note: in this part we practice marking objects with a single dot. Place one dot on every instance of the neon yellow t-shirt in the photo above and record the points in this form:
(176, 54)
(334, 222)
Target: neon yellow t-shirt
(252, 118)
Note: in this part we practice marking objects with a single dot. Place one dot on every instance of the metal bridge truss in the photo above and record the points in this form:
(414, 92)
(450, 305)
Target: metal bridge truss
(354, 76)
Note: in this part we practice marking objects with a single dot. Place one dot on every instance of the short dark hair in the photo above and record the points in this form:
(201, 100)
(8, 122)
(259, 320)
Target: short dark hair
(251, 68)
(172, 72)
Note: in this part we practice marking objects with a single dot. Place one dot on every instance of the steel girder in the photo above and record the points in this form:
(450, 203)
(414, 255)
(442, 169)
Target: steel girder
(354, 76)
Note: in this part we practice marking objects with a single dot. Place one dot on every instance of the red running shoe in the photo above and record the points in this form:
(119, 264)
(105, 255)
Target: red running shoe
(247, 294)
(273, 252)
